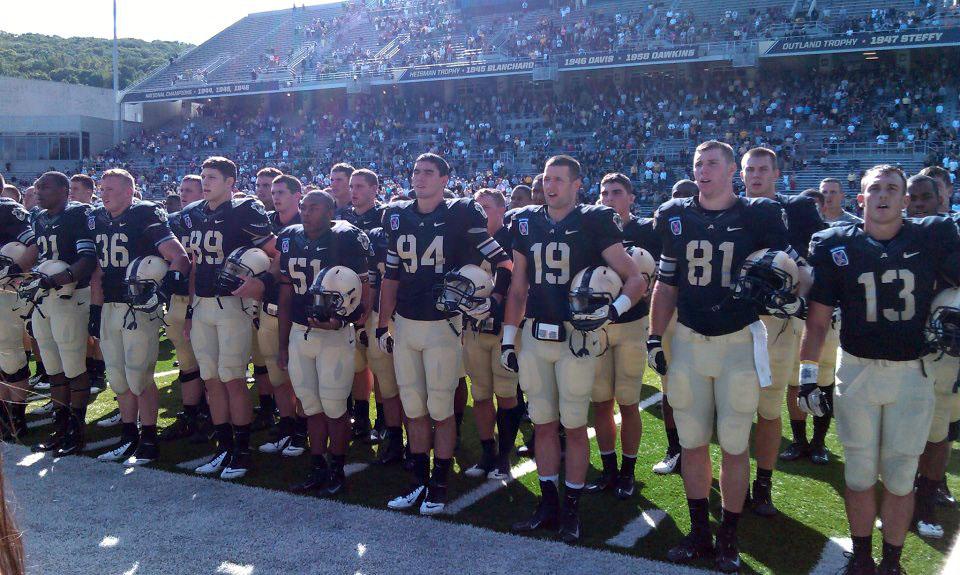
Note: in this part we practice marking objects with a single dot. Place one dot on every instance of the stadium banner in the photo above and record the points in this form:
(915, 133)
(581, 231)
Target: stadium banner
(419, 73)
(859, 42)
(174, 93)
(630, 57)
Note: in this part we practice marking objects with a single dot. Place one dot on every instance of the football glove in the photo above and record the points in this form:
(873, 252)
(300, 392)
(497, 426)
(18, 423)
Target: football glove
(363, 338)
(788, 304)
(656, 358)
(384, 340)
(508, 357)
(812, 399)
(481, 311)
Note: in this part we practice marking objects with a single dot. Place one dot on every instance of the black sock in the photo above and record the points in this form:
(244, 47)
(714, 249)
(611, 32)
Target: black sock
(609, 463)
(421, 468)
(300, 425)
(148, 433)
(128, 431)
(79, 416)
(267, 404)
(821, 425)
(241, 437)
(549, 492)
(508, 425)
(337, 461)
(571, 497)
(926, 487)
(487, 445)
(20, 411)
(764, 474)
(191, 411)
(799, 428)
(728, 523)
(361, 410)
(699, 517)
(395, 432)
(318, 461)
(673, 441)
(42, 371)
(379, 422)
(224, 436)
(628, 465)
(891, 553)
(286, 426)
(458, 417)
(91, 367)
(441, 469)
(863, 546)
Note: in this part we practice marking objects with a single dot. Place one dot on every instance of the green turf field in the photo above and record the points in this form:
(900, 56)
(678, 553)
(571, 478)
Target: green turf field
(809, 497)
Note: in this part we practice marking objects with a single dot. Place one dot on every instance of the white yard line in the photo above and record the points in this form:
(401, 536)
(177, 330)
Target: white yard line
(832, 559)
(637, 529)
(101, 444)
(194, 463)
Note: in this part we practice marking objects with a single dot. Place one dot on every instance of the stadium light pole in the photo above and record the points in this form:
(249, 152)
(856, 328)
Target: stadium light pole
(118, 120)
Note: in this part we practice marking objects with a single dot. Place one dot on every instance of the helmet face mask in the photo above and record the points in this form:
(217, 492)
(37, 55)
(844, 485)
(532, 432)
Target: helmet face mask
(326, 305)
(242, 263)
(764, 281)
(943, 330)
(463, 289)
(591, 291)
(587, 302)
(334, 294)
(142, 295)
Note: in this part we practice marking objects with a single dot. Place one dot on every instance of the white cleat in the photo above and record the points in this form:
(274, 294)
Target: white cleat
(45, 409)
(497, 475)
(276, 446)
(119, 453)
(929, 530)
(667, 464)
(406, 501)
(475, 471)
(110, 421)
(214, 465)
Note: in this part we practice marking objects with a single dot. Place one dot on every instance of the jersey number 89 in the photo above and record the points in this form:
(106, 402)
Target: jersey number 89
(207, 245)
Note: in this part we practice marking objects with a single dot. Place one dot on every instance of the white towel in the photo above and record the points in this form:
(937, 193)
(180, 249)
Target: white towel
(761, 358)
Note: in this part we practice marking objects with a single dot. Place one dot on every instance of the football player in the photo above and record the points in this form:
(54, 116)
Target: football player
(264, 412)
(832, 190)
(61, 307)
(291, 433)
(944, 186)
(760, 172)
(715, 367)
(218, 321)
(520, 197)
(187, 422)
(317, 343)
(619, 374)
(82, 188)
(18, 252)
(340, 188)
(551, 244)
(125, 231)
(488, 378)
(536, 190)
(883, 275)
(427, 237)
(924, 198)
(365, 213)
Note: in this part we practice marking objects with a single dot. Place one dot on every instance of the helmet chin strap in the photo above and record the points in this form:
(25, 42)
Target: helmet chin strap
(603, 339)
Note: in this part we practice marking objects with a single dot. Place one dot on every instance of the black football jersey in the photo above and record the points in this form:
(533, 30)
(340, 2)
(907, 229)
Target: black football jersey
(15, 223)
(422, 248)
(702, 251)
(238, 222)
(369, 219)
(640, 233)
(346, 214)
(377, 259)
(183, 236)
(884, 289)
(65, 236)
(272, 295)
(301, 259)
(135, 233)
(556, 251)
(803, 220)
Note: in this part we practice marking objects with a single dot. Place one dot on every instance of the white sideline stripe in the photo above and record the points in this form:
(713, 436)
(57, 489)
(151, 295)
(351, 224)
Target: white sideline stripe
(952, 564)
(637, 529)
(195, 463)
(329, 536)
(160, 374)
(39, 422)
(492, 486)
(100, 444)
(351, 468)
(832, 559)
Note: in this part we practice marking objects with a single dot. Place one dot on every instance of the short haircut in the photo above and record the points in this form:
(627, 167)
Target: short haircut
(226, 167)
(59, 179)
(831, 181)
(761, 151)
(84, 180)
(12, 190)
(344, 168)
(685, 189)
(495, 195)
(192, 178)
(883, 170)
(724, 148)
(323, 196)
(937, 173)
(537, 183)
(813, 193)
(122, 174)
(269, 172)
(521, 191)
(2, 181)
(369, 175)
(565, 160)
(442, 166)
(292, 183)
(618, 178)
(923, 179)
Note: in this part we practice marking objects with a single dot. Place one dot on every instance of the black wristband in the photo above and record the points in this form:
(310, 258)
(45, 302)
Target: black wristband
(268, 281)
(501, 282)
(189, 313)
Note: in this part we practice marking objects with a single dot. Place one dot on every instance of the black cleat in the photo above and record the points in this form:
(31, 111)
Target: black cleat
(262, 419)
(890, 568)
(727, 554)
(691, 548)
(944, 497)
(390, 451)
(408, 462)
(546, 516)
(761, 500)
(625, 487)
(145, 454)
(858, 565)
(72, 443)
(316, 480)
(336, 481)
(795, 451)
(819, 454)
(181, 428)
(361, 430)
(606, 482)
(569, 526)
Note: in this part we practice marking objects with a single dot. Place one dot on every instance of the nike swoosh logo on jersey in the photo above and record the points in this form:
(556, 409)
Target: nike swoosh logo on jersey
(910, 255)
(219, 221)
(438, 224)
(568, 232)
(729, 229)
